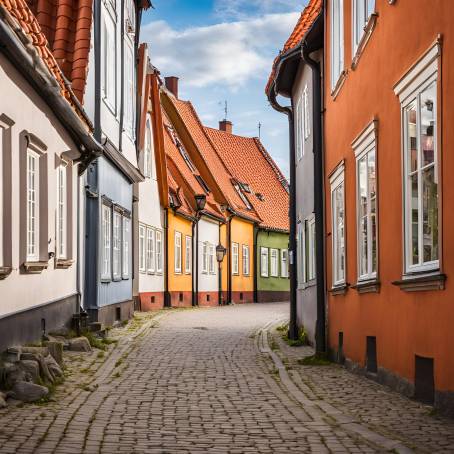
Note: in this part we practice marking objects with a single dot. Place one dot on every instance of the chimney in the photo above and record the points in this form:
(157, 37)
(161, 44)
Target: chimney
(226, 126)
(172, 85)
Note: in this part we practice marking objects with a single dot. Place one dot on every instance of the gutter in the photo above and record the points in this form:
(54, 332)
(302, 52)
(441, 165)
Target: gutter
(319, 205)
(293, 328)
(25, 58)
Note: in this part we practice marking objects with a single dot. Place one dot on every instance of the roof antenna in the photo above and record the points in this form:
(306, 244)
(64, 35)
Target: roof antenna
(260, 129)
(226, 110)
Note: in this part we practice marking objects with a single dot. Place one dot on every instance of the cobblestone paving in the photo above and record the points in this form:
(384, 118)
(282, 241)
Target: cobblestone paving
(195, 381)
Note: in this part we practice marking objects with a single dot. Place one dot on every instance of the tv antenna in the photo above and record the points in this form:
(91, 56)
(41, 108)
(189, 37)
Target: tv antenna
(226, 109)
(260, 129)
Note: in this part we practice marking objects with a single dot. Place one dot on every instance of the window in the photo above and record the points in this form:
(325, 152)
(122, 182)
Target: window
(211, 266)
(116, 244)
(130, 24)
(274, 262)
(306, 119)
(242, 196)
(246, 267)
(109, 63)
(235, 259)
(299, 142)
(151, 264)
(366, 202)
(130, 90)
(106, 235)
(301, 251)
(205, 258)
(337, 41)
(2, 191)
(202, 183)
(417, 92)
(310, 237)
(158, 251)
(177, 252)
(142, 249)
(338, 225)
(126, 240)
(264, 262)
(362, 10)
(32, 206)
(284, 263)
(188, 255)
(61, 212)
(148, 156)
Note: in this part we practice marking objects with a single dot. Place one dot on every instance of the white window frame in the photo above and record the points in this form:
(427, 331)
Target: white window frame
(211, 255)
(62, 215)
(116, 244)
(151, 258)
(109, 57)
(246, 260)
(130, 89)
(337, 42)
(177, 252)
(362, 12)
(364, 146)
(188, 254)
(416, 80)
(310, 239)
(235, 259)
(142, 248)
(106, 242)
(284, 263)
(2, 191)
(264, 262)
(301, 253)
(33, 217)
(274, 262)
(205, 257)
(125, 249)
(148, 154)
(130, 17)
(299, 141)
(159, 256)
(337, 182)
(306, 116)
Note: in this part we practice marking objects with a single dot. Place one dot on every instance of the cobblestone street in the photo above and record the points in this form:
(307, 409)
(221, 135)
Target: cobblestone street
(206, 380)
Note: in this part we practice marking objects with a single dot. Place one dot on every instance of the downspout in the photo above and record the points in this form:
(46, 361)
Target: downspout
(166, 249)
(122, 76)
(293, 327)
(320, 330)
(196, 295)
(194, 260)
(97, 47)
(229, 261)
(256, 274)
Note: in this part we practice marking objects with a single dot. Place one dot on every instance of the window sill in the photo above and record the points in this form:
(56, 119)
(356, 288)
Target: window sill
(368, 29)
(117, 279)
(151, 273)
(422, 282)
(106, 280)
(340, 82)
(125, 278)
(339, 289)
(63, 264)
(5, 271)
(35, 267)
(369, 286)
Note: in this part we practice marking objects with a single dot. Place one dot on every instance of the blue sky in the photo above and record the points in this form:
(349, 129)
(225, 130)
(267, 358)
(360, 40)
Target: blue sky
(223, 51)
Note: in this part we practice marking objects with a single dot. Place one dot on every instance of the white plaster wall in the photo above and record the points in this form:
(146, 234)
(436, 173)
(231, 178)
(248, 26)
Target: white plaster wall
(29, 112)
(208, 231)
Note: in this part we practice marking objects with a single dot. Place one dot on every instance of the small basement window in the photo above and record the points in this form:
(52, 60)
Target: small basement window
(371, 354)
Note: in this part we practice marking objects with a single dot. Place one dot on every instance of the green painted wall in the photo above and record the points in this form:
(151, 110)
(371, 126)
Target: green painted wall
(273, 240)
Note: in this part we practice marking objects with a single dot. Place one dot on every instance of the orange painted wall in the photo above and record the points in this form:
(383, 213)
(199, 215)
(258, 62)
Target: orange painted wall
(242, 232)
(178, 282)
(404, 323)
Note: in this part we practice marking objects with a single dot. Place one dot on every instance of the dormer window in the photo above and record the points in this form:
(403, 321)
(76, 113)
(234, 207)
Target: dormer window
(242, 196)
(202, 183)
(148, 155)
(185, 156)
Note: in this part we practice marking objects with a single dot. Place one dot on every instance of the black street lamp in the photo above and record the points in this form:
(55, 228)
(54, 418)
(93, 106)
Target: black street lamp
(220, 254)
(200, 200)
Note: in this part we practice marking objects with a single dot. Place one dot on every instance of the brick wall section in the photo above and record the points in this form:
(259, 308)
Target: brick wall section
(181, 299)
(151, 301)
(213, 299)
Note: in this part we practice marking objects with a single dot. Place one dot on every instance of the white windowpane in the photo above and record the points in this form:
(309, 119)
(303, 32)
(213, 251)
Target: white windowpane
(264, 262)
(125, 253)
(32, 206)
(158, 251)
(338, 226)
(116, 244)
(301, 254)
(109, 49)
(362, 10)
(274, 263)
(212, 268)
(337, 40)
(188, 255)
(148, 157)
(142, 249)
(151, 264)
(130, 95)
(310, 236)
(177, 252)
(106, 243)
(284, 263)
(61, 212)
(246, 263)
(235, 259)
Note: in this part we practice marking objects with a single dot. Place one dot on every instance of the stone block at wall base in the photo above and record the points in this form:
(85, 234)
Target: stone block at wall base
(270, 296)
(242, 297)
(181, 299)
(208, 299)
(27, 326)
(150, 301)
(113, 313)
(443, 402)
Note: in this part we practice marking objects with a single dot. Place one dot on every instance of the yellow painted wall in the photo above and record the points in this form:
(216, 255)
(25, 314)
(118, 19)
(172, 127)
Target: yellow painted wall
(242, 232)
(178, 282)
(225, 266)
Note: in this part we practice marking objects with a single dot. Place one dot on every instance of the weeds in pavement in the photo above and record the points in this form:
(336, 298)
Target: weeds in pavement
(314, 360)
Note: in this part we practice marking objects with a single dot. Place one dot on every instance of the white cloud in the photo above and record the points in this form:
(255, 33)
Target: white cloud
(229, 53)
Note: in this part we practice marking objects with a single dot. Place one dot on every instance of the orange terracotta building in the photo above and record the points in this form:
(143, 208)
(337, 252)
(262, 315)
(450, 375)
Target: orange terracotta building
(388, 85)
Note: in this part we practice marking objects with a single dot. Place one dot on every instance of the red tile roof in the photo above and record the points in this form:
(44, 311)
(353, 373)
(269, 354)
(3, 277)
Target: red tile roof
(249, 162)
(214, 165)
(20, 12)
(307, 18)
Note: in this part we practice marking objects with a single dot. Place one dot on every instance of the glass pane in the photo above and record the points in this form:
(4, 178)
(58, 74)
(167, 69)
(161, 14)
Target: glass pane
(428, 125)
(340, 233)
(371, 174)
(363, 246)
(373, 223)
(412, 136)
(414, 219)
(430, 215)
(370, 7)
(362, 169)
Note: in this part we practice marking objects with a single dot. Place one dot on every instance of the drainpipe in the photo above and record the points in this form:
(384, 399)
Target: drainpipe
(166, 249)
(320, 329)
(97, 47)
(122, 76)
(229, 261)
(293, 327)
(255, 260)
(193, 262)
